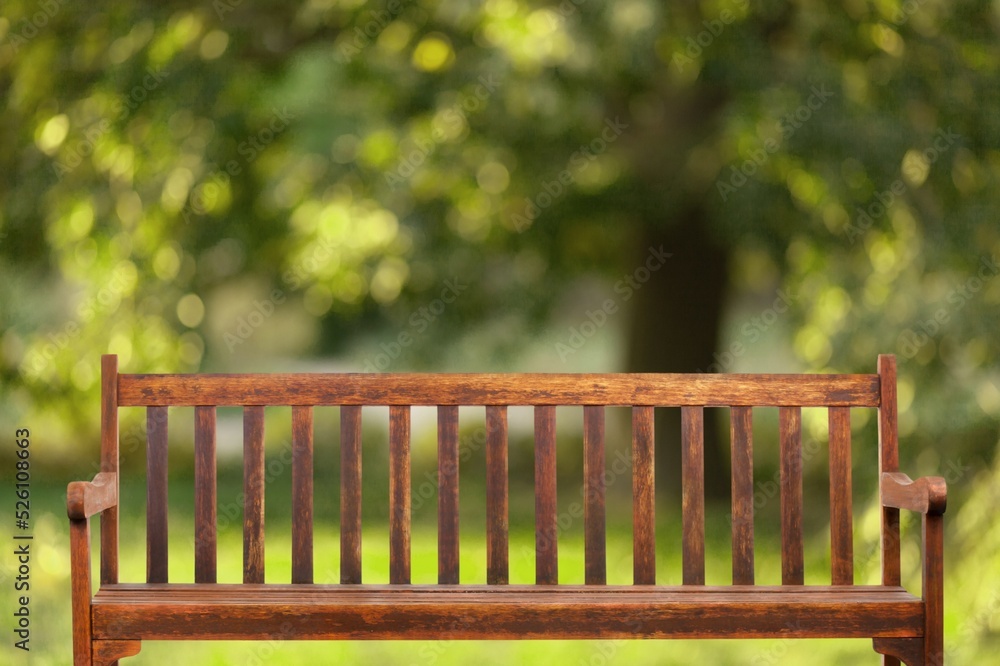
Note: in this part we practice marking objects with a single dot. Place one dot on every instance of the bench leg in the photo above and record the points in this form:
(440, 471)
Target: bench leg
(910, 651)
(107, 653)
(933, 590)
(79, 540)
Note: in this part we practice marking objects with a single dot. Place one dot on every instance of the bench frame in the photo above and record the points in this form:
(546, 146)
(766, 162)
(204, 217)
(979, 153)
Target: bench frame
(110, 625)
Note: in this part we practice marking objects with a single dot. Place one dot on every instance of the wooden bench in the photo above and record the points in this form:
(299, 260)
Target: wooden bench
(110, 624)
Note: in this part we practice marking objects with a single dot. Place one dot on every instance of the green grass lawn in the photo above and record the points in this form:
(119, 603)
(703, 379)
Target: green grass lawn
(50, 590)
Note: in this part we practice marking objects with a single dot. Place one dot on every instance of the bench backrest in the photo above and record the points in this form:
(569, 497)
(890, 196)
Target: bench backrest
(642, 392)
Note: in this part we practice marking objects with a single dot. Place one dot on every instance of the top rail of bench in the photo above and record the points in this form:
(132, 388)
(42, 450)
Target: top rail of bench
(656, 389)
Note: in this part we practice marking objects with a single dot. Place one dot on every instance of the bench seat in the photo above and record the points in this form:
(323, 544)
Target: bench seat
(234, 612)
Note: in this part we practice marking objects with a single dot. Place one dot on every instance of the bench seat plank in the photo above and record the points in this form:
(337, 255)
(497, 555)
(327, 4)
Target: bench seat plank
(234, 612)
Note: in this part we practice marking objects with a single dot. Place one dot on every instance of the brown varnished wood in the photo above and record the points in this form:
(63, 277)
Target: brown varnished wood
(909, 650)
(448, 552)
(594, 519)
(107, 653)
(87, 498)
(507, 612)
(693, 494)
(643, 497)
(888, 447)
(302, 494)
(933, 588)
(841, 512)
(79, 547)
(253, 494)
(496, 495)
(156, 495)
(928, 494)
(350, 494)
(741, 438)
(399, 495)
(205, 518)
(109, 625)
(546, 519)
(717, 390)
(291, 592)
(109, 463)
(790, 471)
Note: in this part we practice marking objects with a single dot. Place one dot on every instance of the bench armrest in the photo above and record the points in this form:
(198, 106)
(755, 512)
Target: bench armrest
(86, 498)
(927, 495)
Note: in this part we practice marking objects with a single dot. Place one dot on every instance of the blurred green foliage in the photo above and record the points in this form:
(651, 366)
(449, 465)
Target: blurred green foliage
(449, 185)
(174, 173)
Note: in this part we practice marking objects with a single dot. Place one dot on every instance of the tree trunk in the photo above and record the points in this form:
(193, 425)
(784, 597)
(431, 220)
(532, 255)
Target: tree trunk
(675, 323)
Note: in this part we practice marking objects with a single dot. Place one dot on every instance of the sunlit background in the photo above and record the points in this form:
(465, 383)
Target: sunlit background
(441, 185)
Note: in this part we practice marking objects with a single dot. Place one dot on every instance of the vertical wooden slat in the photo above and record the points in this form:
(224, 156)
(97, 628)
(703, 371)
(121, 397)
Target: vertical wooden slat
(888, 447)
(643, 497)
(156, 494)
(841, 522)
(496, 495)
(109, 463)
(350, 494)
(741, 437)
(399, 495)
(693, 494)
(546, 520)
(790, 436)
(595, 558)
(448, 495)
(302, 494)
(253, 494)
(204, 495)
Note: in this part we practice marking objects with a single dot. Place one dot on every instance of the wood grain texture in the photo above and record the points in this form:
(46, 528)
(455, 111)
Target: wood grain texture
(448, 544)
(253, 494)
(594, 518)
(927, 494)
(718, 390)
(790, 471)
(643, 497)
(496, 495)
(156, 495)
(888, 447)
(205, 516)
(87, 498)
(118, 616)
(109, 463)
(933, 588)
(741, 437)
(302, 494)
(350, 494)
(546, 497)
(107, 653)
(79, 552)
(399, 495)
(841, 510)
(504, 612)
(908, 650)
(693, 494)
